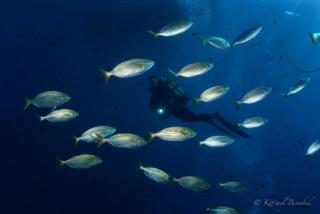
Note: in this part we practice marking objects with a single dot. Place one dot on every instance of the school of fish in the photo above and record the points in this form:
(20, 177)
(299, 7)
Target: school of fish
(105, 134)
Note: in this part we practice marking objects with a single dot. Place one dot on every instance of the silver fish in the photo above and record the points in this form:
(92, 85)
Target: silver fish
(247, 35)
(222, 210)
(212, 93)
(217, 141)
(61, 115)
(129, 68)
(194, 69)
(125, 140)
(253, 122)
(313, 148)
(176, 133)
(95, 134)
(193, 183)
(290, 13)
(233, 186)
(297, 87)
(315, 38)
(157, 175)
(172, 29)
(84, 161)
(254, 95)
(217, 42)
(48, 99)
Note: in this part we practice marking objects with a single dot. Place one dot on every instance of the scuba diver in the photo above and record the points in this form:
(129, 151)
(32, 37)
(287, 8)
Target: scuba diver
(167, 99)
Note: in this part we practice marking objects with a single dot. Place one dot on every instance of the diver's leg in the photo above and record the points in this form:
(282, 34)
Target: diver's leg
(229, 125)
(207, 118)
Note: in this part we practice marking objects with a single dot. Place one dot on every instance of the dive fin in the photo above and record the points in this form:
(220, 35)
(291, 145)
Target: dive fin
(230, 126)
(220, 128)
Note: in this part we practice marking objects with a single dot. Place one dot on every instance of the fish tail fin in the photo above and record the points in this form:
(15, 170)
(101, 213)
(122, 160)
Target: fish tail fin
(27, 103)
(195, 100)
(75, 140)
(203, 40)
(175, 180)
(238, 125)
(232, 45)
(106, 74)
(155, 35)
(101, 142)
(61, 162)
(238, 103)
(199, 143)
(140, 166)
(285, 95)
(150, 136)
(312, 38)
(174, 74)
(170, 180)
(41, 119)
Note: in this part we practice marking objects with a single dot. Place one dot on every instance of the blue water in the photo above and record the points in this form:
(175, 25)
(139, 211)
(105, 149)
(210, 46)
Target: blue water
(61, 45)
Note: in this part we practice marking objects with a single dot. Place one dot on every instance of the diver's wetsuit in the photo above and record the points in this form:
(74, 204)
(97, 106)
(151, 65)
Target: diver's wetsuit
(167, 98)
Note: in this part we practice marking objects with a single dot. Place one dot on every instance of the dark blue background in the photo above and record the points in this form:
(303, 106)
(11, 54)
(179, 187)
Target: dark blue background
(61, 44)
